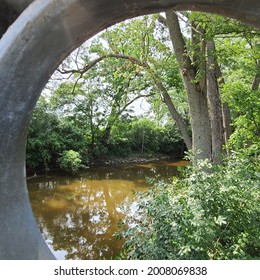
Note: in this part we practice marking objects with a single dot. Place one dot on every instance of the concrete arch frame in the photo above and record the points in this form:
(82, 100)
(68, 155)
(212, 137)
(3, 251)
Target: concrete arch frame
(41, 34)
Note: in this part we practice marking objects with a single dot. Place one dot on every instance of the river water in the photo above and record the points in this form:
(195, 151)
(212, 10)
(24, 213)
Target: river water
(78, 215)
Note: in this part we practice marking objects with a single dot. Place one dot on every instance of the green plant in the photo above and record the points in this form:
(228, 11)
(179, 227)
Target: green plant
(211, 213)
(70, 161)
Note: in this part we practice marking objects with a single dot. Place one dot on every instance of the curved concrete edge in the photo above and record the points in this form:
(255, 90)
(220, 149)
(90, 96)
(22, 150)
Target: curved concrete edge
(44, 34)
(247, 11)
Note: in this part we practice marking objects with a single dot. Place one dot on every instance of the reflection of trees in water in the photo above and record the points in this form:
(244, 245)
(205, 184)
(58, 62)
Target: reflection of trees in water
(85, 226)
(80, 216)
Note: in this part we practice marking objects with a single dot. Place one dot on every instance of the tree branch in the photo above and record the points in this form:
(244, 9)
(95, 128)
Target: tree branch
(162, 20)
(99, 59)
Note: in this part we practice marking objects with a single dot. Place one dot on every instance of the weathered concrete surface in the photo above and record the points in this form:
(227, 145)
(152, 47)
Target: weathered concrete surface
(247, 11)
(33, 46)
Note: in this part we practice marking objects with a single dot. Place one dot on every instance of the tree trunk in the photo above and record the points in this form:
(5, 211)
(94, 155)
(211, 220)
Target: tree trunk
(215, 105)
(142, 149)
(175, 115)
(106, 135)
(200, 122)
(256, 82)
(226, 122)
(255, 86)
(93, 137)
(225, 108)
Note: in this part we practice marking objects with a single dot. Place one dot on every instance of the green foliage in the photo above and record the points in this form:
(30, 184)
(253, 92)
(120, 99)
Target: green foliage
(170, 141)
(147, 137)
(214, 25)
(70, 161)
(43, 139)
(211, 213)
(143, 136)
(245, 105)
(49, 136)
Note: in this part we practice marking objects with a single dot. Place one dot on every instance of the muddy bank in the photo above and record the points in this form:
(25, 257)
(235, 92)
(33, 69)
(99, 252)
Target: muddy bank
(131, 159)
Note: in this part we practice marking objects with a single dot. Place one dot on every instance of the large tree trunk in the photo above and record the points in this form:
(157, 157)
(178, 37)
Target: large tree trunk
(197, 98)
(215, 105)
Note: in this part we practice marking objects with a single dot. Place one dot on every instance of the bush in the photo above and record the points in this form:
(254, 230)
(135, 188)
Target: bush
(70, 161)
(211, 213)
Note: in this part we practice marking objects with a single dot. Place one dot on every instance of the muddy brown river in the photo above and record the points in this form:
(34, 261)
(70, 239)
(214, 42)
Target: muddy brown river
(78, 215)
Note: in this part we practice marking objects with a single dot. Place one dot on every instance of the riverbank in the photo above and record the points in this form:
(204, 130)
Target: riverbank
(110, 161)
(131, 159)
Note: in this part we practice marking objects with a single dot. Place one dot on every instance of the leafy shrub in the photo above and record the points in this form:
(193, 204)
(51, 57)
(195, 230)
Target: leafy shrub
(211, 213)
(70, 161)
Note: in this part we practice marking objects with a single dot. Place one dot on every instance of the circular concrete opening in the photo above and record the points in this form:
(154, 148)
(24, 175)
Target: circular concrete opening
(32, 48)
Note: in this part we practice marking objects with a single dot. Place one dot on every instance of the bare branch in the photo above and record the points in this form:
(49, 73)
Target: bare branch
(133, 100)
(99, 59)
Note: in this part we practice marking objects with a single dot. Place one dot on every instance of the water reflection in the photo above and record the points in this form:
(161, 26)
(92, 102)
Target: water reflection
(78, 215)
